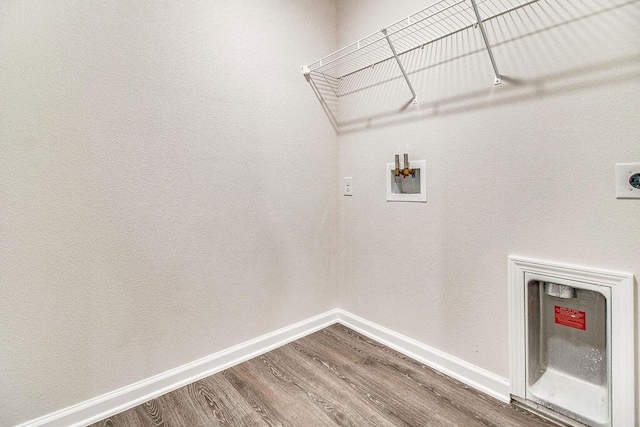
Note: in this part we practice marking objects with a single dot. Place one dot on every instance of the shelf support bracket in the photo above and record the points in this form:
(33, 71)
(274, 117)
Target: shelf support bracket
(404, 73)
(497, 79)
(330, 85)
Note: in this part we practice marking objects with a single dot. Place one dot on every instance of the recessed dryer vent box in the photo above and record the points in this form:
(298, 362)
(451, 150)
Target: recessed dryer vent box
(410, 188)
(572, 342)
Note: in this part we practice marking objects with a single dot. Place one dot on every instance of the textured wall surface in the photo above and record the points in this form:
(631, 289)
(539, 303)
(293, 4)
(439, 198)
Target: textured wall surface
(524, 168)
(147, 215)
(147, 151)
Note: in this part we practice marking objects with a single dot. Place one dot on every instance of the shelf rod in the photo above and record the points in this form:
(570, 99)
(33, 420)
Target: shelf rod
(324, 104)
(410, 50)
(404, 73)
(498, 79)
(330, 85)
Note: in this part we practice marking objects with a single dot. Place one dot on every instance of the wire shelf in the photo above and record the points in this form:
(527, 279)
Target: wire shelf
(338, 74)
(364, 85)
(434, 22)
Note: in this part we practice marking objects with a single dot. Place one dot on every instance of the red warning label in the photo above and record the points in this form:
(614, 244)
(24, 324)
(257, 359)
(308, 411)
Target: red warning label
(572, 318)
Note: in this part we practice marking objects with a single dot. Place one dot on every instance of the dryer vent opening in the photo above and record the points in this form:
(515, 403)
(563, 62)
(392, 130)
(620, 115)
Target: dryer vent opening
(567, 351)
(572, 343)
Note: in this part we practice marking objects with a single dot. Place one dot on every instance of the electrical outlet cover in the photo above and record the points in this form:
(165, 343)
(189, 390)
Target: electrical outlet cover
(628, 180)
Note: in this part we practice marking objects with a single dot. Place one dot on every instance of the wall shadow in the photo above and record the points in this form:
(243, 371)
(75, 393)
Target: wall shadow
(543, 49)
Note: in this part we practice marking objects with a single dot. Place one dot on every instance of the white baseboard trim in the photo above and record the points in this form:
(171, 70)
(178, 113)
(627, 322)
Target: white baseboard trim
(473, 376)
(98, 408)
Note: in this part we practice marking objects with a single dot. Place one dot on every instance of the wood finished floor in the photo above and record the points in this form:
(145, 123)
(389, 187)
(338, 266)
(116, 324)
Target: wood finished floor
(334, 377)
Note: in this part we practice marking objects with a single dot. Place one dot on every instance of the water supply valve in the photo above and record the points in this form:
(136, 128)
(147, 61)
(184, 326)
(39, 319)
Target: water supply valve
(406, 171)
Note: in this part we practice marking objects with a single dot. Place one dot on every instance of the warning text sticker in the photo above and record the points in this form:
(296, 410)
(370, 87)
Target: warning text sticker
(570, 317)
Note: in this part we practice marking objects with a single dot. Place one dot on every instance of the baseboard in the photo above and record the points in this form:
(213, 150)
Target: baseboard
(111, 403)
(473, 376)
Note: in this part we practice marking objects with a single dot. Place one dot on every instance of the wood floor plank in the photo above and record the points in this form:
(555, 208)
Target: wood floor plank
(461, 398)
(300, 390)
(211, 401)
(334, 377)
(216, 403)
(262, 399)
(126, 418)
(338, 375)
(349, 406)
(409, 382)
(271, 391)
(387, 392)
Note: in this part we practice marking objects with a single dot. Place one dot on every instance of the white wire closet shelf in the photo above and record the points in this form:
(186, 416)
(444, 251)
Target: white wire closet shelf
(435, 22)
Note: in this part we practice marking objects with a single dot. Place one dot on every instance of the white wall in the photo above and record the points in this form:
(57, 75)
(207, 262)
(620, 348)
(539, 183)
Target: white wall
(523, 168)
(146, 150)
(147, 212)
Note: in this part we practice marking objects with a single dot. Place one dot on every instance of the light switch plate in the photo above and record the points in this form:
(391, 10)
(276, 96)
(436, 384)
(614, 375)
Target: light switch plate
(628, 180)
(348, 186)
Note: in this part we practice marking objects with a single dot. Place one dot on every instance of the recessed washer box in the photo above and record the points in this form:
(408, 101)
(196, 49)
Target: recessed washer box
(410, 188)
(628, 180)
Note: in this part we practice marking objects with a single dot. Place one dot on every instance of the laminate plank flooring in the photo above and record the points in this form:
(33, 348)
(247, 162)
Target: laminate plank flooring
(334, 377)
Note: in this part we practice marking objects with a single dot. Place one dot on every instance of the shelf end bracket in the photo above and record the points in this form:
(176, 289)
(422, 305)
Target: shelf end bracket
(497, 79)
(306, 72)
(404, 73)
